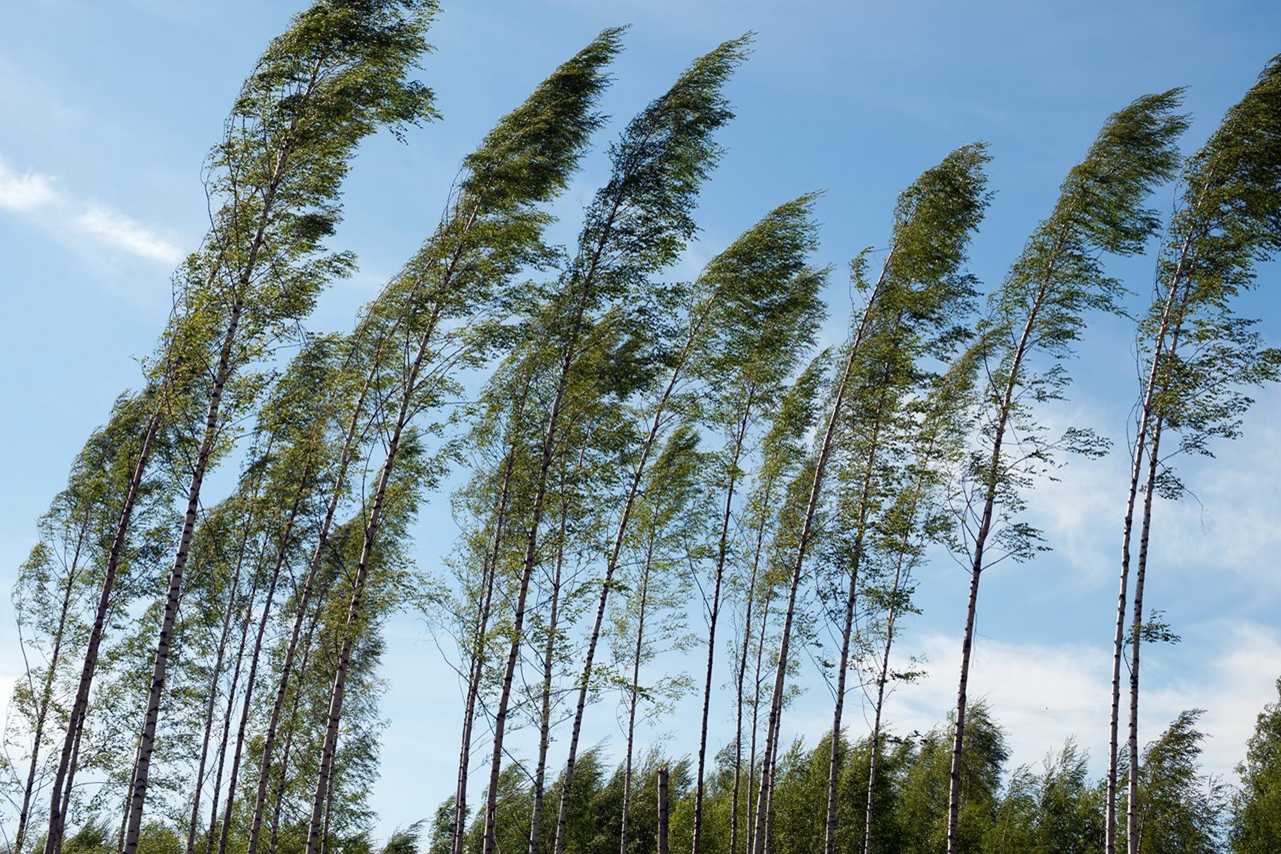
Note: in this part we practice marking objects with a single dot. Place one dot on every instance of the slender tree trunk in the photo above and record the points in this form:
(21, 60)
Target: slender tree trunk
(232, 690)
(223, 637)
(847, 630)
(147, 744)
(225, 370)
(722, 551)
(64, 776)
(634, 691)
(45, 695)
(545, 713)
(330, 748)
(1136, 641)
(797, 565)
(476, 666)
(757, 551)
(409, 385)
(1168, 327)
(286, 753)
(879, 706)
(530, 557)
(756, 725)
(75, 758)
(633, 494)
(992, 474)
(282, 554)
(304, 597)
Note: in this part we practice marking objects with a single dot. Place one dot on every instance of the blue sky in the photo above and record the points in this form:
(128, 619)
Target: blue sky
(110, 108)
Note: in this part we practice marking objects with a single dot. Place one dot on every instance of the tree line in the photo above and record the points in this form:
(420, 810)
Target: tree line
(204, 675)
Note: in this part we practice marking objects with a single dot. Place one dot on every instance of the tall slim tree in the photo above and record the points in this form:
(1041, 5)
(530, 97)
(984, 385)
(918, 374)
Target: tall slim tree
(920, 287)
(1198, 353)
(492, 228)
(782, 456)
(635, 226)
(777, 302)
(1040, 311)
(337, 75)
(53, 594)
(923, 298)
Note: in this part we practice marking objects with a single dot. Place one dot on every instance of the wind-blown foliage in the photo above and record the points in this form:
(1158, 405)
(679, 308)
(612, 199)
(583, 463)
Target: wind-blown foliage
(640, 454)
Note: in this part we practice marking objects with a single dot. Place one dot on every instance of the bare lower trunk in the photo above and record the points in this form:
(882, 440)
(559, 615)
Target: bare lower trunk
(147, 743)
(304, 596)
(620, 533)
(545, 713)
(722, 551)
(477, 663)
(756, 724)
(209, 719)
(847, 630)
(232, 691)
(757, 553)
(45, 695)
(879, 707)
(740, 679)
(282, 554)
(1168, 330)
(835, 753)
(773, 727)
(286, 753)
(634, 691)
(954, 774)
(489, 843)
(330, 748)
(991, 475)
(1136, 643)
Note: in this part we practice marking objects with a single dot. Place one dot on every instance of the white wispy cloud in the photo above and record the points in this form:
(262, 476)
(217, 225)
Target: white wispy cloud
(40, 200)
(1043, 693)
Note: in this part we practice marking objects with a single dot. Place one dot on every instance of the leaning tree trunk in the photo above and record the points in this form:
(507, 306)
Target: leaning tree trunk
(991, 474)
(770, 753)
(633, 495)
(351, 443)
(851, 598)
(476, 666)
(757, 551)
(232, 690)
(282, 555)
(64, 775)
(545, 713)
(148, 739)
(722, 551)
(45, 701)
(1136, 627)
(1168, 328)
(634, 691)
(530, 556)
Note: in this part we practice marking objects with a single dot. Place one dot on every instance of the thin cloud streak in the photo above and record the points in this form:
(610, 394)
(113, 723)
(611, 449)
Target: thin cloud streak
(1042, 694)
(37, 198)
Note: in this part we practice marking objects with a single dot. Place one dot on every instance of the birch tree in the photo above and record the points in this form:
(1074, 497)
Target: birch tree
(635, 226)
(452, 291)
(776, 304)
(919, 288)
(1040, 311)
(337, 75)
(1198, 354)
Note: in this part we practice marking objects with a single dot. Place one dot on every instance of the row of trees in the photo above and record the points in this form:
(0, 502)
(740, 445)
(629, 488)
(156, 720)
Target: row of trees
(1051, 809)
(633, 440)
